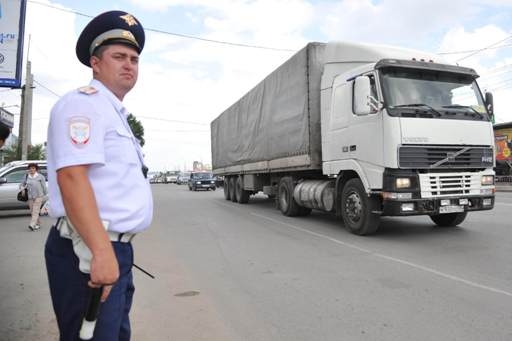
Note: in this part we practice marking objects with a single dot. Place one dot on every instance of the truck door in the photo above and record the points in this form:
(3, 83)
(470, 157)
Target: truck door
(353, 138)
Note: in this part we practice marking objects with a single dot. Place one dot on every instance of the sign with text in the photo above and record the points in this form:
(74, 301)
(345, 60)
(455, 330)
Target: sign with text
(6, 118)
(12, 26)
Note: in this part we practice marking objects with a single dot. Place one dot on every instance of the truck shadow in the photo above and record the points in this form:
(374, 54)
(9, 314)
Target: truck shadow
(392, 227)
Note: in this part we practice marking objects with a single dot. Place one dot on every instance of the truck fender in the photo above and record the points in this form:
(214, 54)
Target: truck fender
(353, 171)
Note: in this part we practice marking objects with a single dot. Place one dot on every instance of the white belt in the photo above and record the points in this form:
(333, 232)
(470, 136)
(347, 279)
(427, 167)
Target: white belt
(66, 230)
(120, 237)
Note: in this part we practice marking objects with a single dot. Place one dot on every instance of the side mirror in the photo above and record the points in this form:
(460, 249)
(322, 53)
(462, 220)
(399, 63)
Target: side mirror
(364, 102)
(3, 180)
(489, 104)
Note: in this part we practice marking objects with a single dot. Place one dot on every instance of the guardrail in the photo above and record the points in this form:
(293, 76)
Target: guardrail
(504, 179)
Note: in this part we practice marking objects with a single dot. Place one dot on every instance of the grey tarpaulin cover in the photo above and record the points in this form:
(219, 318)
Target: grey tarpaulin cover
(278, 118)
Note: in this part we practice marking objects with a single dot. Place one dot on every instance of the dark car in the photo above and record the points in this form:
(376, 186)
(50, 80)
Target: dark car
(201, 180)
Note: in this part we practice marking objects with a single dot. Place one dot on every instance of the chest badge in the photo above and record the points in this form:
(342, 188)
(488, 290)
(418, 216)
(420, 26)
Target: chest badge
(79, 130)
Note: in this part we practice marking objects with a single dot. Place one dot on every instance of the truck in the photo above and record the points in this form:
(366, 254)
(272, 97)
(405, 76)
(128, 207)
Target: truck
(361, 131)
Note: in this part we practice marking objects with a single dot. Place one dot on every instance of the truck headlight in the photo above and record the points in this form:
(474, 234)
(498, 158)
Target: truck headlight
(198, 182)
(487, 179)
(403, 183)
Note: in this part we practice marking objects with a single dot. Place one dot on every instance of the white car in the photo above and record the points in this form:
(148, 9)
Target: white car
(11, 175)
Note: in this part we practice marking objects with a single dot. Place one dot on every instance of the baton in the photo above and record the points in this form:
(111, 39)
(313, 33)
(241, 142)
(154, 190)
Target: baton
(93, 309)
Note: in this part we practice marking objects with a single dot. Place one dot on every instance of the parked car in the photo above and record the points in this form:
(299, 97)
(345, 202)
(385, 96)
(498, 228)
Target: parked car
(11, 176)
(201, 180)
(183, 178)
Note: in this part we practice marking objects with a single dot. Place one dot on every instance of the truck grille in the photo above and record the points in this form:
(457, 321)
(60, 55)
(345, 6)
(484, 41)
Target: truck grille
(439, 157)
(444, 185)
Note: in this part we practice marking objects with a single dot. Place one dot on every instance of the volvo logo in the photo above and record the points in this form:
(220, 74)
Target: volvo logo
(450, 156)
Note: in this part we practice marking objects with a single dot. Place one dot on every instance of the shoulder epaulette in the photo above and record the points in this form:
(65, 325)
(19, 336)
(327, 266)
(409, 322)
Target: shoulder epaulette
(88, 90)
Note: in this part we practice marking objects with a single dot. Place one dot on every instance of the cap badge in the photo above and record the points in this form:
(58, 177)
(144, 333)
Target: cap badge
(128, 35)
(79, 130)
(129, 19)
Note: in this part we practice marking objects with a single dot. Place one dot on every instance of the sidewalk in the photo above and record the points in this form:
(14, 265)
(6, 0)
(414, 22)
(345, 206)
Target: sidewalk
(504, 187)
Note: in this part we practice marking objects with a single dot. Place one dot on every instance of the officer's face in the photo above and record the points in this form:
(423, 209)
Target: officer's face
(117, 68)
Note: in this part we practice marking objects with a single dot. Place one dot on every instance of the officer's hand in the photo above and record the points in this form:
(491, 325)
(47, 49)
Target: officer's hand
(104, 272)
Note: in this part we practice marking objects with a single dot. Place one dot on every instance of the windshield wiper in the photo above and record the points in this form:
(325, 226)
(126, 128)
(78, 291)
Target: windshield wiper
(458, 106)
(413, 105)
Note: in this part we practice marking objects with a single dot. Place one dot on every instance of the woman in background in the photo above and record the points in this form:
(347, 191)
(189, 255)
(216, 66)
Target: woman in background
(36, 187)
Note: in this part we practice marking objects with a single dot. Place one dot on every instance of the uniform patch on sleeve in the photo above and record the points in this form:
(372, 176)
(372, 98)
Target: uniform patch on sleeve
(79, 130)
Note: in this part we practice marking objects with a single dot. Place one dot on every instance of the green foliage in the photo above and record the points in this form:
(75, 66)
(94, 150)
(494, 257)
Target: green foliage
(137, 129)
(13, 153)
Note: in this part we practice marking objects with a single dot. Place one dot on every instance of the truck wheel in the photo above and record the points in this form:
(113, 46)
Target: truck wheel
(232, 189)
(226, 189)
(356, 209)
(449, 219)
(287, 203)
(241, 194)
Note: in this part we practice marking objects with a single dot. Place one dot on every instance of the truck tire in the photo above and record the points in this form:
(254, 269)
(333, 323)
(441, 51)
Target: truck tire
(242, 195)
(226, 189)
(232, 189)
(449, 219)
(357, 207)
(287, 203)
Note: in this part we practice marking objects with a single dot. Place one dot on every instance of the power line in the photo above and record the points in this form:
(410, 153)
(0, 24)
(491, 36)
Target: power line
(483, 49)
(176, 34)
(47, 89)
(469, 51)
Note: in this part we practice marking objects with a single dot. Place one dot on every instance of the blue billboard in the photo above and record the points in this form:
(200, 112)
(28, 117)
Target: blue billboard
(12, 27)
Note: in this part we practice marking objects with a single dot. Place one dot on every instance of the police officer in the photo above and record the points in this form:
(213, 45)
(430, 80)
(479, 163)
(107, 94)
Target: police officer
(97, 189)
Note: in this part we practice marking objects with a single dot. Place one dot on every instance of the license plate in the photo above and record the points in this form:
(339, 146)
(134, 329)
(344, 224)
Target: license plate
(451, 209)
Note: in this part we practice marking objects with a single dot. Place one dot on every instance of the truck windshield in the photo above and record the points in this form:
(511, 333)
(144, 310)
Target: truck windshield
(435, 94)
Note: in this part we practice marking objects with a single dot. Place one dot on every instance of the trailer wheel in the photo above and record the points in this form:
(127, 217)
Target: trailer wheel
(449, 219)
(287, 203)
(232, 189)
(356, 209)
(226, 189)
(242, 195)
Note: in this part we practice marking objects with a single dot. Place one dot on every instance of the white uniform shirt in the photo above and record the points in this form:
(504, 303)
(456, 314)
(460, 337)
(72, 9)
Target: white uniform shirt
(88, 126)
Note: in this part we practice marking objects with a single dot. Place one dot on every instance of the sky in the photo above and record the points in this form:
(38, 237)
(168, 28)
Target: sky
(202, 55)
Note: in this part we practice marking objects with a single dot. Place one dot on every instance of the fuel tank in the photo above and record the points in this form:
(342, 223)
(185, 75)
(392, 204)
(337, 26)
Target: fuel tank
(317, 194)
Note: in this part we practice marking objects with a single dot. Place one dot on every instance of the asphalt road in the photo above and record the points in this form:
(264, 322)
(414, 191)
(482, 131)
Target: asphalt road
(226, 271)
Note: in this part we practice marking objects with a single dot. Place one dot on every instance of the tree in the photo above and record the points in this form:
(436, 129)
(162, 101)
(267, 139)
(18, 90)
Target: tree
(13, 152)
(137, 129)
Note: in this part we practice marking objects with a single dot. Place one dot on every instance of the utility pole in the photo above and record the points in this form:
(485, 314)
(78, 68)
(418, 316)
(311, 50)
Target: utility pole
(25, 129)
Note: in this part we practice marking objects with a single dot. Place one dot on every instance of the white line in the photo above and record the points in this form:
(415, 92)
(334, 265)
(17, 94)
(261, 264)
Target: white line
(393, 259)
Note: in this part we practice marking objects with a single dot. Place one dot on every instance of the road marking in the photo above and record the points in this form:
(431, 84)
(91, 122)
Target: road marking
(389, 258)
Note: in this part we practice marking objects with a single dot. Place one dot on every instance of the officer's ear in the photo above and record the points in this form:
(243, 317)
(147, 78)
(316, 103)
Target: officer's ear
(94, 60)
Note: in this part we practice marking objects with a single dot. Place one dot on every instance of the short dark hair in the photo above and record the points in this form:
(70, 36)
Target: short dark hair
(5, 131)
(30, 165)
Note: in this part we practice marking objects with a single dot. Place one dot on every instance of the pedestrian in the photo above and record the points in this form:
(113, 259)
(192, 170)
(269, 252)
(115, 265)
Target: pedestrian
(35, 183)
(97, 183)
(5, 131)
